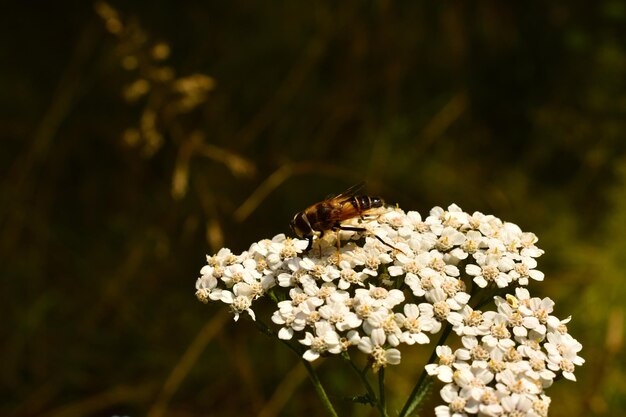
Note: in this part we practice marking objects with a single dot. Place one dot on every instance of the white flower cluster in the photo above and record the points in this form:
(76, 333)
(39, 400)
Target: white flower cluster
(377, 296)
(507, 360)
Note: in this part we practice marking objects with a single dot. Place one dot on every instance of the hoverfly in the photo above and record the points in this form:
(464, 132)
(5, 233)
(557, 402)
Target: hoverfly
(328, 214)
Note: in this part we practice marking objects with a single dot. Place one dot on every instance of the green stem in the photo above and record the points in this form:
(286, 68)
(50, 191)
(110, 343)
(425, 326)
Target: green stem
(381, 389)
(489, 297)
(319, 389)
(361, 374)
(264, 328)
(413, 401)
(370, 390)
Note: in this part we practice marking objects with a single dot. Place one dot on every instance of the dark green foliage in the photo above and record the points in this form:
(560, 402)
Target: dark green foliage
(511, 108)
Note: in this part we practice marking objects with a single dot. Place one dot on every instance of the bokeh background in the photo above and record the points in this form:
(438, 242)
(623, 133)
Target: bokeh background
(139, 136)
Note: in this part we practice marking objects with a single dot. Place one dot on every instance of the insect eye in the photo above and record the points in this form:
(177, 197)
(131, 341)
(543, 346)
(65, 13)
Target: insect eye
(300, 225)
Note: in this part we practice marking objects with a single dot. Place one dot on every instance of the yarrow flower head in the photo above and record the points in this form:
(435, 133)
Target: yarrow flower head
(523, 356)
(397, 279)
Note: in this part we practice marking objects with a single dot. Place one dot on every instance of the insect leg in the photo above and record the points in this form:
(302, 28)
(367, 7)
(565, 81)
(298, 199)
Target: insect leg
(319, 242)
(362, 229)
(350, 228)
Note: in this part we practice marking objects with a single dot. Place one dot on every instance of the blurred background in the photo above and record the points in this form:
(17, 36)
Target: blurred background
(138, 137)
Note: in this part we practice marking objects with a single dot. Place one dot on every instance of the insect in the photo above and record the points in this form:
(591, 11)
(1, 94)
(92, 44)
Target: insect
(328, 214)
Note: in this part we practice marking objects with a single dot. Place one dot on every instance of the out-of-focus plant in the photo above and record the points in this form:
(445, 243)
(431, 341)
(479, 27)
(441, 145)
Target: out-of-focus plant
(166, 98)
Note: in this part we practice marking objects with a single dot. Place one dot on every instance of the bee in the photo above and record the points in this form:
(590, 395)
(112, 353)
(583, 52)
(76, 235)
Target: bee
(328, 214)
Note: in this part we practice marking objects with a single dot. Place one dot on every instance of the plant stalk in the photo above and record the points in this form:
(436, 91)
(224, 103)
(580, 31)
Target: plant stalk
(412, 402)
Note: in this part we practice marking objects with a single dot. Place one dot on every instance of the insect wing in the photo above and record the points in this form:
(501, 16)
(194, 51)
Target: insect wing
(351, 192)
